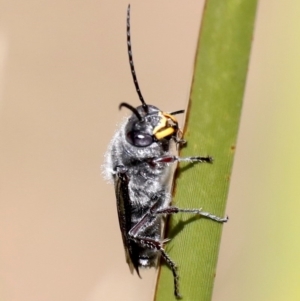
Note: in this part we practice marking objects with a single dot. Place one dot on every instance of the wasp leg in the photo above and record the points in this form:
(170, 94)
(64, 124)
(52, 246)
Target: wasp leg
(173, 267)
(174, 210)
(120, 169)
(158, 246)
(172, 159)
(179, 142)
(145, 222)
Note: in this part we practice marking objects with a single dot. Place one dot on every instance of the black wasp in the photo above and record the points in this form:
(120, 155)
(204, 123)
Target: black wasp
(139, 162)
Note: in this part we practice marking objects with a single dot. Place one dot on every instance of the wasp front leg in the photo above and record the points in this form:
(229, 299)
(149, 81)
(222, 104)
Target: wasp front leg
(173, 159)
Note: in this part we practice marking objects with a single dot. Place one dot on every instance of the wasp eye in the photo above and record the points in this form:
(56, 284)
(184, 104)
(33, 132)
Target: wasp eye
(139, 139)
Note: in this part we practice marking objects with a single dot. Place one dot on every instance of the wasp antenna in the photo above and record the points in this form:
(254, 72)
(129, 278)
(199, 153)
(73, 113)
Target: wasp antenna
(137, 87)
(177, 112)
(132, 109)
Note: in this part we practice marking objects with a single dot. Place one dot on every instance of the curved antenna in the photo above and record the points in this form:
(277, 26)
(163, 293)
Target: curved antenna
(132, 109)
(177, 112)
(137, 87)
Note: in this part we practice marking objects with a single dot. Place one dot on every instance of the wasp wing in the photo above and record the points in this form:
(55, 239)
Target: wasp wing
(124, 207)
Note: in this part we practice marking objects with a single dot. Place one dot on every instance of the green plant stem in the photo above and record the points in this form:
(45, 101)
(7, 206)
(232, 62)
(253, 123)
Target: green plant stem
(211, 128)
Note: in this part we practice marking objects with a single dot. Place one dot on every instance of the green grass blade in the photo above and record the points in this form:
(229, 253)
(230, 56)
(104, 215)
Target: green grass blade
(211, 128)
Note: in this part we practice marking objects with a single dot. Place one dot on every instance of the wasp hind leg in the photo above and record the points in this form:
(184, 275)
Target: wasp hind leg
(135, 234)
(149, 243)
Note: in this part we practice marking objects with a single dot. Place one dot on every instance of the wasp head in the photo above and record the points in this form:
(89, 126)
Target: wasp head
(145, 127)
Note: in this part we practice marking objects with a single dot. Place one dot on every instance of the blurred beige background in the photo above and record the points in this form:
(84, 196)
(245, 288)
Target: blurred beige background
(63, 72)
